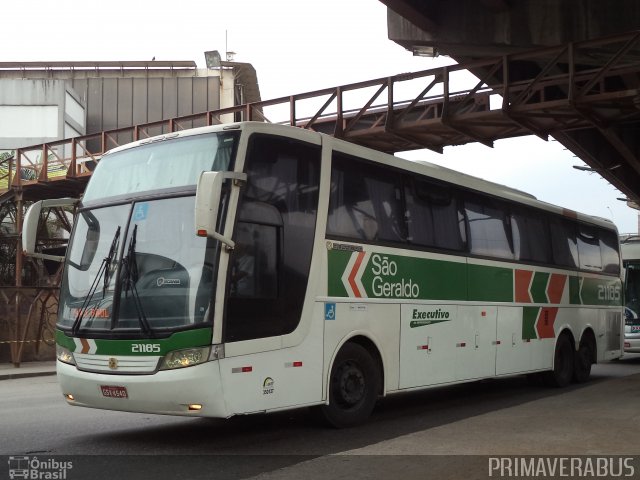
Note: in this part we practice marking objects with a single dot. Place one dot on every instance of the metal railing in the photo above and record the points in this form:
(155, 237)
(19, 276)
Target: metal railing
(574, 85)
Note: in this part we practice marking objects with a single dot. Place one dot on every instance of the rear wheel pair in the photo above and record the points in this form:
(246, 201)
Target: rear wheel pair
(569, 364)
(583, 359)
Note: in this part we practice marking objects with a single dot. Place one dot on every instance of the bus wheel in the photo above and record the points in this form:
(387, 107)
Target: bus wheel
(563, 360)
(353, 387)
(582, 361)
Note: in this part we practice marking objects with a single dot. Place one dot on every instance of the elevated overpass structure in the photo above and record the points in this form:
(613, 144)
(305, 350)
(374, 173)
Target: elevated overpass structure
(566, 98)
(469, 30)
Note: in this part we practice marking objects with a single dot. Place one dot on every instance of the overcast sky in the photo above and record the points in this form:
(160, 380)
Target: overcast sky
(295, 46)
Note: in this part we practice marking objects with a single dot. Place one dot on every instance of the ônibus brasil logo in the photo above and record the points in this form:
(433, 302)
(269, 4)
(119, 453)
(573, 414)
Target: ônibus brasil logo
(38, 469)
(377, 275)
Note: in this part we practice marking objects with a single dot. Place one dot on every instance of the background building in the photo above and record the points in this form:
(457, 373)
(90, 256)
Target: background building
(46, 101)
(42, 102)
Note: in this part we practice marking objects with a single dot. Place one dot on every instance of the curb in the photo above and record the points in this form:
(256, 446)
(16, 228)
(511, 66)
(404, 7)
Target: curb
(13, 376)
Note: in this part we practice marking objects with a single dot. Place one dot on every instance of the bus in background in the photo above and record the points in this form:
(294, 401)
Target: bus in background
(251, 267)
(630, 249)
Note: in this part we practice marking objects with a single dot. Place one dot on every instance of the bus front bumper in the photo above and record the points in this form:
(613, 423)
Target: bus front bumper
(192, 391)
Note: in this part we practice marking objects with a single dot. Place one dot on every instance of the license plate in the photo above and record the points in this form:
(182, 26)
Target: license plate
(113, 391)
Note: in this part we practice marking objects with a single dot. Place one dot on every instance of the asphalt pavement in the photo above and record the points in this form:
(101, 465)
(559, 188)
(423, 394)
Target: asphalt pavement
(445, 433)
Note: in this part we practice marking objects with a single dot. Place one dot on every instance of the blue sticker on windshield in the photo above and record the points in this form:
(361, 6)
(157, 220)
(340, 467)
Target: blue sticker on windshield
(140, 212)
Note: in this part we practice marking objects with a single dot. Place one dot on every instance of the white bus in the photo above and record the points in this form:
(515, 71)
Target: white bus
(630, 249)
(301, 270)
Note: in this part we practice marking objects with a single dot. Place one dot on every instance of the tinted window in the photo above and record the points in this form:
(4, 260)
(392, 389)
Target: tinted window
(277, 218)
(365, 201)
(433, 217)
(589, 248)
(563, 242)
(255, 261)
(488, 233)
(530, 236)
(632, 291)
(609, 251)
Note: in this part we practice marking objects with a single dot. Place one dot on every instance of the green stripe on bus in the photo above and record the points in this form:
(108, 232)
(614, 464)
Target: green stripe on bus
(64, 341)
(529, 317)
(601, 291)
(409, 277)
(574, 290)
(338, 261)
(490, 284)
(200, 337)
(539, 287)
(354, 273)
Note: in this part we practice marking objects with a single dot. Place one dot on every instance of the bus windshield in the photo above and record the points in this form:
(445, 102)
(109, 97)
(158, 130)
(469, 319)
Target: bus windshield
(632, 292)
(134, 262)
(160, 165)
(161, 278)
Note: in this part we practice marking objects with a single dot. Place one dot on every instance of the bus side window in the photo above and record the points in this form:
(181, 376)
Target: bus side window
(351, 212)
(365, 201)
(254, 264)
(610, 253)
(589, 249)
(432, 215)
(488, 232)
(563, 242)
(530, 236)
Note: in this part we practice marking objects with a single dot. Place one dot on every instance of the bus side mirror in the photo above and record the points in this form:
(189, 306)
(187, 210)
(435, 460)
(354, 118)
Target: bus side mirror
(208, 196)
(30, 226)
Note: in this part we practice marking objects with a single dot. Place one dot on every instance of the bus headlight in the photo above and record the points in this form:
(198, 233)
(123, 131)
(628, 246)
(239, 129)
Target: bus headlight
(65, 355)
(185, 358)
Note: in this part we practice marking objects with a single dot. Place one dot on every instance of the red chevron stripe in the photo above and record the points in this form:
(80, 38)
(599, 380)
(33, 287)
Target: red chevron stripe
(556, 287)
(352, 275)
(523, 280)
(546, 319)
(85, 345)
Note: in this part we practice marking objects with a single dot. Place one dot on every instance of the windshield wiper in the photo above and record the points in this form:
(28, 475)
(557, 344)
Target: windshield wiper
(103, 271)
(129, 280)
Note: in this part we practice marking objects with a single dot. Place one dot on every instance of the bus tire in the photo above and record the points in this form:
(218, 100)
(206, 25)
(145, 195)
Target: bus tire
(353, 387)
(583, 360)
(563, 361)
